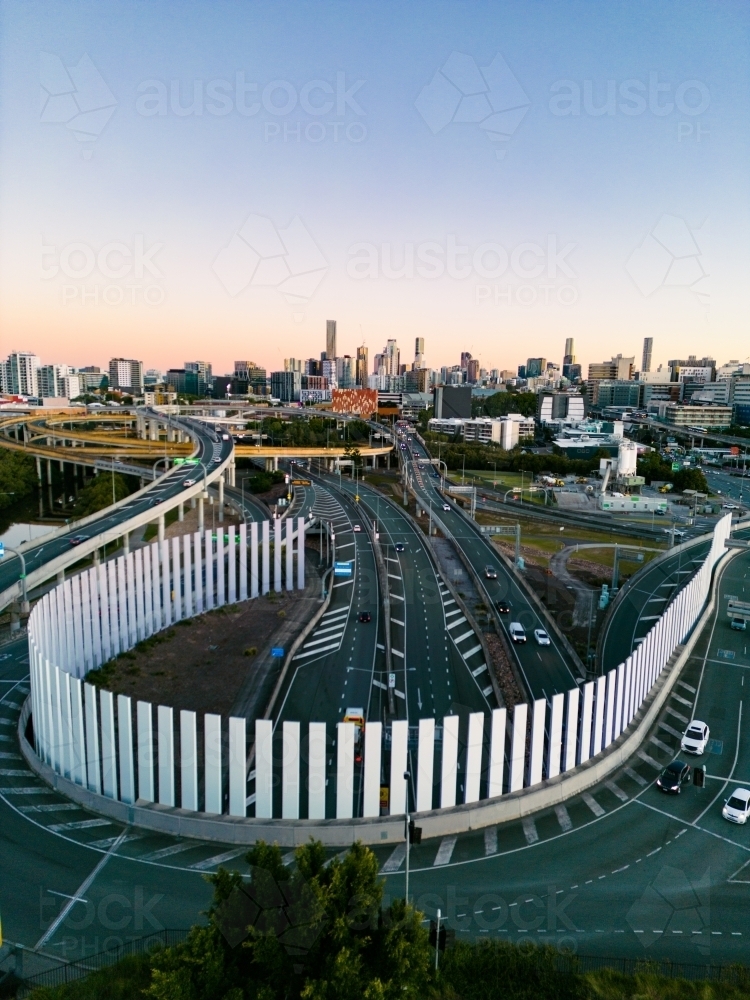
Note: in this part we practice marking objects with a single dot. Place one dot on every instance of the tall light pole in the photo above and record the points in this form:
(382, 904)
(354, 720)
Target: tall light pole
(24, 593)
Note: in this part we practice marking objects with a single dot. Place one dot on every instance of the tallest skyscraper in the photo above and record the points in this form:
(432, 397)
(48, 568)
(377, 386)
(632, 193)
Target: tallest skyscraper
(330, 339)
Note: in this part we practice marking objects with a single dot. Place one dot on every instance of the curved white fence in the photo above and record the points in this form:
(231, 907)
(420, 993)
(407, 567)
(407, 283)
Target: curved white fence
(81, 734)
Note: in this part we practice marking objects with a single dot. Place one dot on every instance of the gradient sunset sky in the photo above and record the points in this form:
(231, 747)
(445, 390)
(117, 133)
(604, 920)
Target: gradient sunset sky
(558, 169)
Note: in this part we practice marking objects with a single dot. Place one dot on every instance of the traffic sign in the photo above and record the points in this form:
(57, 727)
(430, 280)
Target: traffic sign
(277, 652)
(342, 569)
(2, 550)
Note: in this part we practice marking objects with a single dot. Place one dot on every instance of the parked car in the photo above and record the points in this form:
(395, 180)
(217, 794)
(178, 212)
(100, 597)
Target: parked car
(503, 607)
(490, 572)
(517, 632)
(541, 637)
(695, 738)
(737, 806)
(365, 616)
(673, 777)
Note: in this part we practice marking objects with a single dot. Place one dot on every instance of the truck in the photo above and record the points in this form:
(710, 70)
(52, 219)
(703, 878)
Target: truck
(357, 716)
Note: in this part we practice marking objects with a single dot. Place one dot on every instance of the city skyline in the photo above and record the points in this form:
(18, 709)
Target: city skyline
(177, 219)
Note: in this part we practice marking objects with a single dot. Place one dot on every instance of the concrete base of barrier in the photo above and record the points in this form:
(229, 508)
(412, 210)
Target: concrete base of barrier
(388, 829)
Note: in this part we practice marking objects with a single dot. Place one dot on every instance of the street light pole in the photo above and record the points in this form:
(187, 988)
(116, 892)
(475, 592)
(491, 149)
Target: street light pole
(24, 593)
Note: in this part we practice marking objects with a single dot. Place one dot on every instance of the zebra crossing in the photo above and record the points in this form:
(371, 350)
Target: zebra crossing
(466, 642)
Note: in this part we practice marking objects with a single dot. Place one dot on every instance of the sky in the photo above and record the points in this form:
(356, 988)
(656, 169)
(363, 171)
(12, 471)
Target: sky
(213, 181)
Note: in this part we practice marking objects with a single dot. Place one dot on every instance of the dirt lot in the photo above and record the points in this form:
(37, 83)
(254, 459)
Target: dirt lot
(218, 660)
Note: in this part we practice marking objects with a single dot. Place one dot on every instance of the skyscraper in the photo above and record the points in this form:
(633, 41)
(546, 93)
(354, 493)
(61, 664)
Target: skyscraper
(648, 344)
(362, 362)
(568, 358)
(330, 339)
(419, 352)
(465, 359)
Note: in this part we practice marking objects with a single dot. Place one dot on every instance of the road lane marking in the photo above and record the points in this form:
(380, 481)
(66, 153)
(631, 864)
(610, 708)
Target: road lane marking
(618, 792)
(677, 715)
(563, 818)
(445, 852)
(82, 890)
(84, 824)
(688, 687)
(682, 701)
(395, 860)
(218, 859)
(529, 829)
(662, 746)
(593, 805)
(490, 841)
(315, 652)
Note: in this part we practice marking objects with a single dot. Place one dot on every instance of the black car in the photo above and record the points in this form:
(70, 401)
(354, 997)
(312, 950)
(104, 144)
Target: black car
(673, 777)
(400, 547)
(77, 539)
(503, 607)
(365, 616)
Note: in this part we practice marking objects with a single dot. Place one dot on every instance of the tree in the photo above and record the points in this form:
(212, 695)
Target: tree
(317, 932)
(689, 479)
(501, 403)
(17, 477)
(98, 493)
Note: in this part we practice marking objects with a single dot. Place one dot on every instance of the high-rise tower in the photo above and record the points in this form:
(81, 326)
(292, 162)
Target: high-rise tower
(330, 339)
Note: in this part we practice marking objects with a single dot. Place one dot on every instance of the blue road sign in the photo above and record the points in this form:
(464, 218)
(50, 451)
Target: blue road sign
(342, 569)
(277, 651)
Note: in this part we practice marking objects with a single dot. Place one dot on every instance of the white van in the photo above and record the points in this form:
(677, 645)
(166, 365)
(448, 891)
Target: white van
(517, 633)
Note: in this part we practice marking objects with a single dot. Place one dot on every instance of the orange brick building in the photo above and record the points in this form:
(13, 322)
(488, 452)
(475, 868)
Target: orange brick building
(363, 402)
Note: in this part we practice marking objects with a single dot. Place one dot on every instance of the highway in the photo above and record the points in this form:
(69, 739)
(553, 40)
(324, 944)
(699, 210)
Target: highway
(210, 451)
(546, 670)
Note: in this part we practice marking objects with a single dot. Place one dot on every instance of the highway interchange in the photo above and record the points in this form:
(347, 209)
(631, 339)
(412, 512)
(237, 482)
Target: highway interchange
(622, 869)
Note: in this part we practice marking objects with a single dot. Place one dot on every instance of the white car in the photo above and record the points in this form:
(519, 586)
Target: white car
(188, 482)
(446, 506)
(541, 637)
(357, 527)
(737, 806)
(695, 738)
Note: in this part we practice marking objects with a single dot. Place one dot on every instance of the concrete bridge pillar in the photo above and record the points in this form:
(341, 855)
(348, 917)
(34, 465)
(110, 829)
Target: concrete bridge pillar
(39, 469)
(221, 498)
(49, 471)
(126, 543)
(153, 430)
(232, 473)
(200, 514)
(60, 576)
(161, 527)
(97, 557)
(170, 432)
(181, 512)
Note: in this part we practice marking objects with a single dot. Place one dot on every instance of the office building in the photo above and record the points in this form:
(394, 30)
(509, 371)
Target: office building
(618, 368)
(648, 346)
(616, 392)
(418, 380)
(453, 401)
(126, 375)
(472, 370)
(293, 365)
(18, 375)
(183, 381)
(330, 339)
(346, 372)
(535, 367)
(522, 371)
(286, 386)
(361, 371)
(251, 379)
(569, 355)
(710, 417)
(465, 359)
(693, 370)
(329, 370)
(60, 381)
(204, 373)
(419, 352)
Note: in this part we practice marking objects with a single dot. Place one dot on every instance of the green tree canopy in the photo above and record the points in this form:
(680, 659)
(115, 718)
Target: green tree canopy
(17, 477)
(97, 493)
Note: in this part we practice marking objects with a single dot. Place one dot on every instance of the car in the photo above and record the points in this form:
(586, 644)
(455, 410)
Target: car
(357, 527)
(400, 547)
(365, 616)
(737, 806)
(503, 607)
(695, 738)
(217, 460)
(446, 506)
(729, 506)
(673, 777)
(541, 637)
(188, 482)
(77, 539)
(224, 437)
(738, 624)
(517, 633)
(490, 572)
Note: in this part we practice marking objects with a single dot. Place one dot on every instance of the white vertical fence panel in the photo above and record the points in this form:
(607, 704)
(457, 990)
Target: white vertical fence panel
(93, 774)
(518, 746)
(626, 685)
(109, 752)
(209, 564)
(130, 600)
(449, 766)
(156, 587)
(66, 756)
(571, 729)
(300, 553)
(497, 753)
(243, 562)
(198, 572)
(316, 773)
(176, 580)
(263, 768)
(237, 770)
(165, 743)
(232, 565)
(587, 712)
(620, 683)
(122, 602)
(187, 551)
(601, 688)
(188, 761)
(79, 661)
(125, 748)
(277, 554)
(221, 593)
(425, 764)
(344, 770)
(144, 722)
(166, 584)
(254, 559)
(148, 594)
(609, 713)
(290, 770)
(212, 763)
(266, 558)
(538, 720)
(474, 757)
(289, 554)
(79, 731)
(88, 638)
(554, 753)
(140, 607)
(399, 750)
